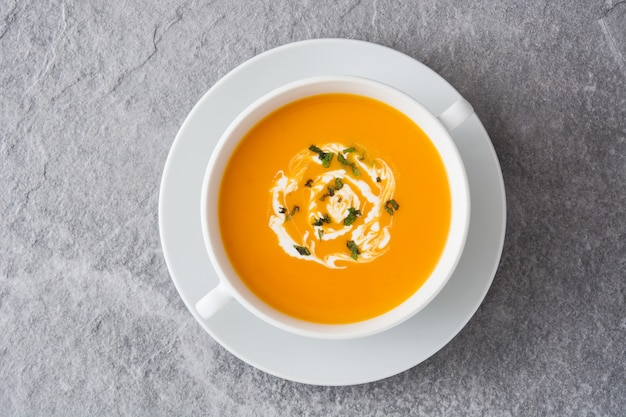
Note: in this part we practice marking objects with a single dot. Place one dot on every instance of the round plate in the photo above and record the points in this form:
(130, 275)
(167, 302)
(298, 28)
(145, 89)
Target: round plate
(298, 358)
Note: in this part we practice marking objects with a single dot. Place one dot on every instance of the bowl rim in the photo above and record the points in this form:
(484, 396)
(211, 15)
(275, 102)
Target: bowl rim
(300, 89)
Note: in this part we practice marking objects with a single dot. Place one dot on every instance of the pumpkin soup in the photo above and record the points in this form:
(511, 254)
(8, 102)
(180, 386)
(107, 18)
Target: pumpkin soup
(334, 208)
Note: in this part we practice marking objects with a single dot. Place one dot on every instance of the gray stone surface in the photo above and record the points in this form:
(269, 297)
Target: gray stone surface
(91, 97)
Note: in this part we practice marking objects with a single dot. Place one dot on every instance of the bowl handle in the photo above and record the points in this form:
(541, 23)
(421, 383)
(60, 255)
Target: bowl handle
(213, 301)
(456, 114)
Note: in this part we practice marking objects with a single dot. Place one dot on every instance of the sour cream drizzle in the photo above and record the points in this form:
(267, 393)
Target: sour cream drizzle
(367, 192)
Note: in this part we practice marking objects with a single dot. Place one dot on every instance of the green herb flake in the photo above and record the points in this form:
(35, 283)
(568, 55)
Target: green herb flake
(308, 183)
(348, 150)
(354, 249)
(342, 159)
(332, 188)
(325, 157)
(302, 250)
(320, 233)
(377, 179)
(325, 219)
(293, 211)
(282, 210)
(352, 216)
(391, 205)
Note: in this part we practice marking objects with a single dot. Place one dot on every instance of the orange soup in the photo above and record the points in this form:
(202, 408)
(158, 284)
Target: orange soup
(334, 208)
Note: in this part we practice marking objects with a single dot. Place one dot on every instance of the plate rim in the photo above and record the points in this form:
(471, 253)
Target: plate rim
(167, 168)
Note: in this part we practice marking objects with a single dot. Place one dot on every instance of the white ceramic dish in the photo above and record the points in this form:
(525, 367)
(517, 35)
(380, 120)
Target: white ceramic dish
(230, 284)
(298, 358)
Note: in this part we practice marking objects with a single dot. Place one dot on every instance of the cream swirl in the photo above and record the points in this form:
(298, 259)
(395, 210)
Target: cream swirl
(333, 209)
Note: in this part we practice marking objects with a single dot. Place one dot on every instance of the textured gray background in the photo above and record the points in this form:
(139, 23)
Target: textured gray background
(91, 97)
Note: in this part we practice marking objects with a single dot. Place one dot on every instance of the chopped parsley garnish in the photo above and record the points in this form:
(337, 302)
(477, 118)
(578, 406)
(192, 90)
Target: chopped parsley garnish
(326, 219)
(302, 250)
(390, 206)
(352, 215)
(325, 157)
(293, 211)
(377, 179)
(308, 183)
(348, 150)
(354, 249)
(320, 233)
(332, 188)
(282, 210)
(342, 159)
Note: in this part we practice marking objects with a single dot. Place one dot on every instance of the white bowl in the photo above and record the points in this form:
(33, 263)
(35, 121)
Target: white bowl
(232, 287)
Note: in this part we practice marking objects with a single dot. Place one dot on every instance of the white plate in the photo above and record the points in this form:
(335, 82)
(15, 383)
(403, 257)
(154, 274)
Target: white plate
(297, 358)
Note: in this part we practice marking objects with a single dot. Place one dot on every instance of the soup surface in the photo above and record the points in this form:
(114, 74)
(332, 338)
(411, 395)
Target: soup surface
(334, 208)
